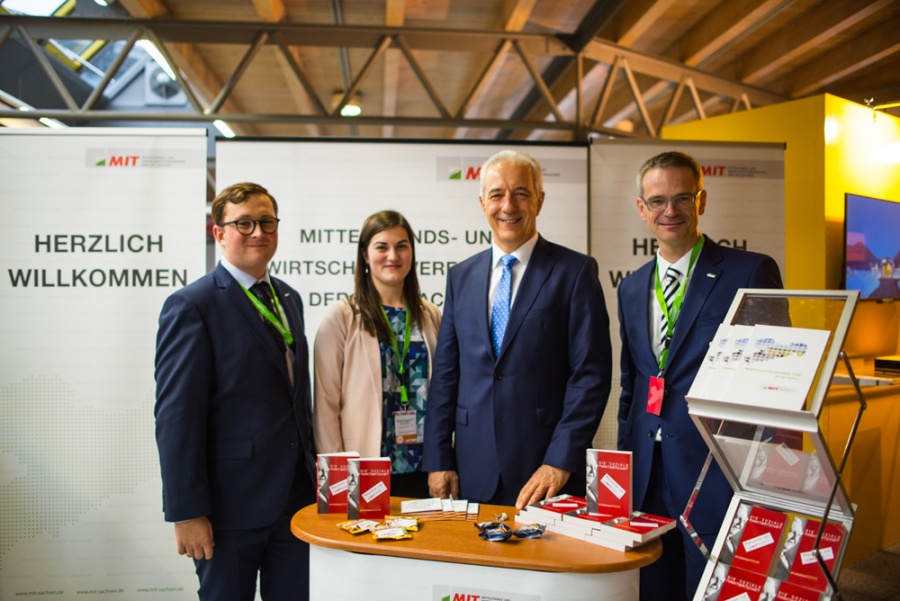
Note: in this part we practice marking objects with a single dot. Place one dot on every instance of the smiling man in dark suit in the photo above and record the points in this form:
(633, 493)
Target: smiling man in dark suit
(233, 413)
(661, 357)
(523, 361)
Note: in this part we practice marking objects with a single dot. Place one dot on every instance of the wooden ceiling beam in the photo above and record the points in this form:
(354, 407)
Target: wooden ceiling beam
(538, 80)
(562, 69)
(270, 11)
(198, 76)
(514, 17)
(516, 14)
(296, 78)
(879, 43)
(354, 86)
(638, 99)
(484, 78)
(805, 36)
(238, 72)
(394, 16)
(146, 9)
(671, 71)
(693, 50)
(720, 28)
(422, 76)
(293, 119)
(636, 18)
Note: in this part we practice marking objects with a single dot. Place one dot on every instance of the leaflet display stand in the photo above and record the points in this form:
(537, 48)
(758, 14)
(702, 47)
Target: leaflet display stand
(757, 402)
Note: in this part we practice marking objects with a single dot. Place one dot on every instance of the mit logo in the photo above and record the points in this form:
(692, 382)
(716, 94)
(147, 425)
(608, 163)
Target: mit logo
(123, 160)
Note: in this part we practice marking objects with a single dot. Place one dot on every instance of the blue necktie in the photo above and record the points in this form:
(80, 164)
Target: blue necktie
(500, 307)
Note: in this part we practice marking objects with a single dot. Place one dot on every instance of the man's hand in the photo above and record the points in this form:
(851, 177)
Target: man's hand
(195, 538)
(443, 484)
(546, 482)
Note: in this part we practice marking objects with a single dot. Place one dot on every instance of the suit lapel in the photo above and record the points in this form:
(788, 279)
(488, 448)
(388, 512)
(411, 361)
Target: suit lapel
(706, 274)
(481, 272)
(539, 267)
(250, 317)
(641, 305)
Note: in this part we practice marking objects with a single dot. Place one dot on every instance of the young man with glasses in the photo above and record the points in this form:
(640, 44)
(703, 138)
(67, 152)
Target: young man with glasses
(669, 311)
(233, 412)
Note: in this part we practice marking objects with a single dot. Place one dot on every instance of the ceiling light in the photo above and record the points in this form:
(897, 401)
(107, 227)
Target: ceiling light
(352, 108)
(223, 128)
(52, 123)
(104, 2)
(157, 56)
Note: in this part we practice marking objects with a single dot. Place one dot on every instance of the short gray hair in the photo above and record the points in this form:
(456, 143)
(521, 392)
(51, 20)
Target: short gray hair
(672, 159)
(514, 156)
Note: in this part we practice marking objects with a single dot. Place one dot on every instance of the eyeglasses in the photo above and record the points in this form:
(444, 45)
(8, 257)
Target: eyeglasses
(658, 204)
(269, 225)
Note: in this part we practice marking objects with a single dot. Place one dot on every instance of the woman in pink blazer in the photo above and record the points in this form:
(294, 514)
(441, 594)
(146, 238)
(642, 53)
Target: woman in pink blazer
(373, 355)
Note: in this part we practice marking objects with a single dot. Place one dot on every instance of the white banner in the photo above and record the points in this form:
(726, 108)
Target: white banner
(99, 226)
(326, 189)
(744, 209)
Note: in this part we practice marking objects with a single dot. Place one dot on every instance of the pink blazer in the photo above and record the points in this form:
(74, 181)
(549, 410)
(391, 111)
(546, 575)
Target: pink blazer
(348, 395)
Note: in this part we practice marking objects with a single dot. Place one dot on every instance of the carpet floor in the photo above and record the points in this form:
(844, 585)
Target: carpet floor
(875, 578)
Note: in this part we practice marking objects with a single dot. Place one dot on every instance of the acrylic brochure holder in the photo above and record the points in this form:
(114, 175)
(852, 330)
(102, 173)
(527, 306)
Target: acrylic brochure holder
(757, 401)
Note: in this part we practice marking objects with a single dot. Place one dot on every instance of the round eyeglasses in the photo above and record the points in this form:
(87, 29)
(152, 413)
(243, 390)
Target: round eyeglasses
(658, 204)
(269, 225)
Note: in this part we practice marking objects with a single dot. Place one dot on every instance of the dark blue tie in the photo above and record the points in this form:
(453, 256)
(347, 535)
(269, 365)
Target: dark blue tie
(263, 292)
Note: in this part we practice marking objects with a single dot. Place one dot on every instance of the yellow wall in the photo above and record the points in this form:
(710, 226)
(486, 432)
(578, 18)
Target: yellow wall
(798, 125)
(862, 156)
(833, 146)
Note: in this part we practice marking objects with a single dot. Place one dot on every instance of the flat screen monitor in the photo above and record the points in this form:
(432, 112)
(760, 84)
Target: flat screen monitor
(872, 246)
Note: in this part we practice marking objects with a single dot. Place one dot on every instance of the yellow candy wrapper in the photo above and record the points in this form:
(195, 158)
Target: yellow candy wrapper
(358, 526)
(390, 533)
(410, 524)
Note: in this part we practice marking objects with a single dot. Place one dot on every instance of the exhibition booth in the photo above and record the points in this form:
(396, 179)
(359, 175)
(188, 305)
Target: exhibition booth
(103, 224)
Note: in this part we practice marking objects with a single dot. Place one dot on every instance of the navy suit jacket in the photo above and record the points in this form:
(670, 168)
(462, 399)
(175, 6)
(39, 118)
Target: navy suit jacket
(540, 401)
(718, 274)
(231, 430)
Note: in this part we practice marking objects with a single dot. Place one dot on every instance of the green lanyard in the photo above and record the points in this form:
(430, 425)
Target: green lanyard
(676, 303)
(280, 324)
(404, 397)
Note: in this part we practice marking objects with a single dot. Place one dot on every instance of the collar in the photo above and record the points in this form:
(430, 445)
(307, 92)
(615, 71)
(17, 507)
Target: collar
(523, 253)
(243, 278)
(681, 264)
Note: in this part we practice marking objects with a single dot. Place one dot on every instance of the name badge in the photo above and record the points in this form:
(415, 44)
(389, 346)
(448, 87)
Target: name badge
(405, 430)
(655, 394)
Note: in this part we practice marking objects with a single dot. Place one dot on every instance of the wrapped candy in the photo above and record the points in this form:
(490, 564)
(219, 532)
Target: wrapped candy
(410, 524)
(493, 531)
(529, 531)
(390, 533)
(358, 526)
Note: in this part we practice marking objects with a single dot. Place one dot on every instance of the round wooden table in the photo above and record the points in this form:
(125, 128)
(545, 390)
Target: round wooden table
(447, 557)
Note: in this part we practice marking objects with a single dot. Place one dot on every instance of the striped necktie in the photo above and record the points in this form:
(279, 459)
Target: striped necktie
(670, 287)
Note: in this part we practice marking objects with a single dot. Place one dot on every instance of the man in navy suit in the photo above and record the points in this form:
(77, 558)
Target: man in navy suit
(523, 414)
(232, 412)
(660, 359)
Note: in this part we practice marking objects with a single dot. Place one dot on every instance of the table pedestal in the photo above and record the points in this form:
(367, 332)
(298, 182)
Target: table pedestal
(342, 576)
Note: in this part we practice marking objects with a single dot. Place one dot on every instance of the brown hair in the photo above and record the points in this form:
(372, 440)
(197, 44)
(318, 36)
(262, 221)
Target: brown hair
(366, 300)
(237, 194)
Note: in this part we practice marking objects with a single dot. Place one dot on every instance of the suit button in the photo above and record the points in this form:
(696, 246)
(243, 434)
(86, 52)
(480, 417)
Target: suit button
(650, 433)
(294, 445)
(498, 376)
